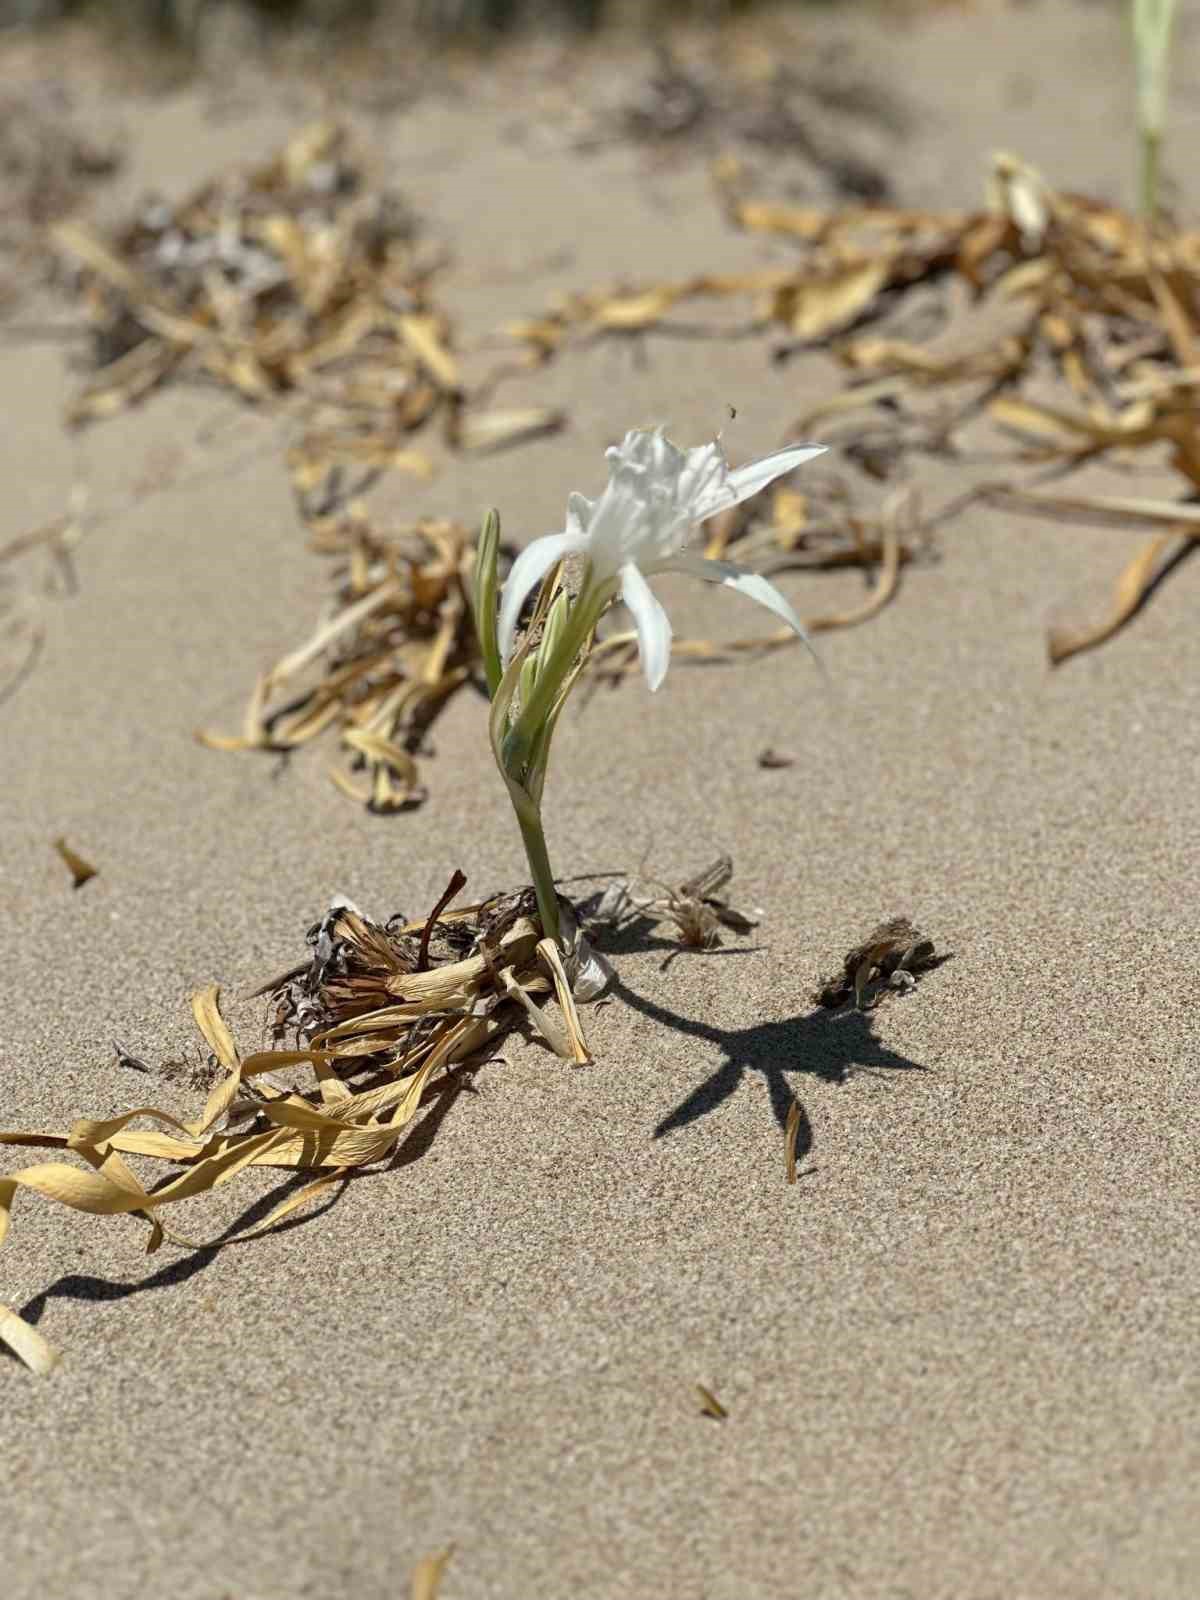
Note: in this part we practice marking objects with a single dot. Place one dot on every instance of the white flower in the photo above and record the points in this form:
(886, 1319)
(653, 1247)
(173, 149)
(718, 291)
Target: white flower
(656, 495)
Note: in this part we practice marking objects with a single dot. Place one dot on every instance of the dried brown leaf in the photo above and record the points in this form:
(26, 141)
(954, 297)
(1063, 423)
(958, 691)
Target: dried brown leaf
(710, 1405)
(81, 871)
(791, 1132)
(815, 307)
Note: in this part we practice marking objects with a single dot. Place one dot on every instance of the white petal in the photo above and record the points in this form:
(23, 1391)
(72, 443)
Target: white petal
(703, 477)
(652, 623)
(528, 570)
(742, 482)
(751, 584)
(579, 512)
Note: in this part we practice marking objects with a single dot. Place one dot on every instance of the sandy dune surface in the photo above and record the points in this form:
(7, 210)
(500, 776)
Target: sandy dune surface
(959, 1354)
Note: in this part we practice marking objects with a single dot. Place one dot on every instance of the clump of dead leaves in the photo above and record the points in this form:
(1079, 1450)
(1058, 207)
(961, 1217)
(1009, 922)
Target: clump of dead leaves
(303, 283)
(397, 642)
(379, 1014)
(1070, 329)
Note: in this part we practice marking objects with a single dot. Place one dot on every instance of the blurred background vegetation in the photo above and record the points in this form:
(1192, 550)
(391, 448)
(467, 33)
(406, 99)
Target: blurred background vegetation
(177, 22)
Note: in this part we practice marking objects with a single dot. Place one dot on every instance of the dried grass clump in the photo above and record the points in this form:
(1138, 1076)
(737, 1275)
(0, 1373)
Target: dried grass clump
(376, 1011)
(697, 908)
(302, 277)
(397, 642)
(1071, 328)
(304, 282)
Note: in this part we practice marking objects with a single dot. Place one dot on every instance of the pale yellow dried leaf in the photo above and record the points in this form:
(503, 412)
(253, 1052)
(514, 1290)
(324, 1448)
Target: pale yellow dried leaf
(26, 1343)
(1131, 589)
(423, 337)
(427, 1574)
(554, 1035)
(885, 583)
(1121, 510)
(480, 431)
(815, 307)
(377, 748)
(551, 958)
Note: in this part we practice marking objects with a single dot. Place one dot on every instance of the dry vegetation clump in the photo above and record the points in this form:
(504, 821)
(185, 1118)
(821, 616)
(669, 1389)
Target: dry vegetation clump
(380, 1016)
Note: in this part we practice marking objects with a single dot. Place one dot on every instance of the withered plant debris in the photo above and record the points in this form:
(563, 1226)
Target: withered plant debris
(48, 164)
(791, 1133)
(1054, 330)
(397, 643)
(892, 956)
(81, 871)
(377, 1030)
(771, 759)
(697, 907)
(34, 565)
(710, 1406)
(832, 123)
(428, 1573)
(302, 283)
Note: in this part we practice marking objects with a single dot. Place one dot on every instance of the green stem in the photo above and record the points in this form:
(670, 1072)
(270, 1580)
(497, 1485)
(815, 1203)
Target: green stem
(543, 876)
(1150, 145)
(584, 615)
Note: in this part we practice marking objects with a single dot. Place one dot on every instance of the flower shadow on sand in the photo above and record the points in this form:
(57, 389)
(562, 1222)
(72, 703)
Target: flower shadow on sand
(829, 1045)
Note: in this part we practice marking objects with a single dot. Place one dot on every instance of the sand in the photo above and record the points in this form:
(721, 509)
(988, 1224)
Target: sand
(959, 1355)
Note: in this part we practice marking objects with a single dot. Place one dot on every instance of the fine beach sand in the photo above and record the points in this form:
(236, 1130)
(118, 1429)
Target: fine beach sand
(959, 1355)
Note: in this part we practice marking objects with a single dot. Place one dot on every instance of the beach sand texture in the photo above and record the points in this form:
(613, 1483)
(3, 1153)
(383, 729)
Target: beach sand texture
(959, 1354)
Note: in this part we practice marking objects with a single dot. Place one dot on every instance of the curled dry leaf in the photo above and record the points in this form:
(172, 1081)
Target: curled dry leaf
(1131, 592)
(477, 432)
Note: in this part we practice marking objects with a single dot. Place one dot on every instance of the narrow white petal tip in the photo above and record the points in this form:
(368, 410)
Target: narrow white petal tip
(752, 584)
(652, 624)
(756, 475)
